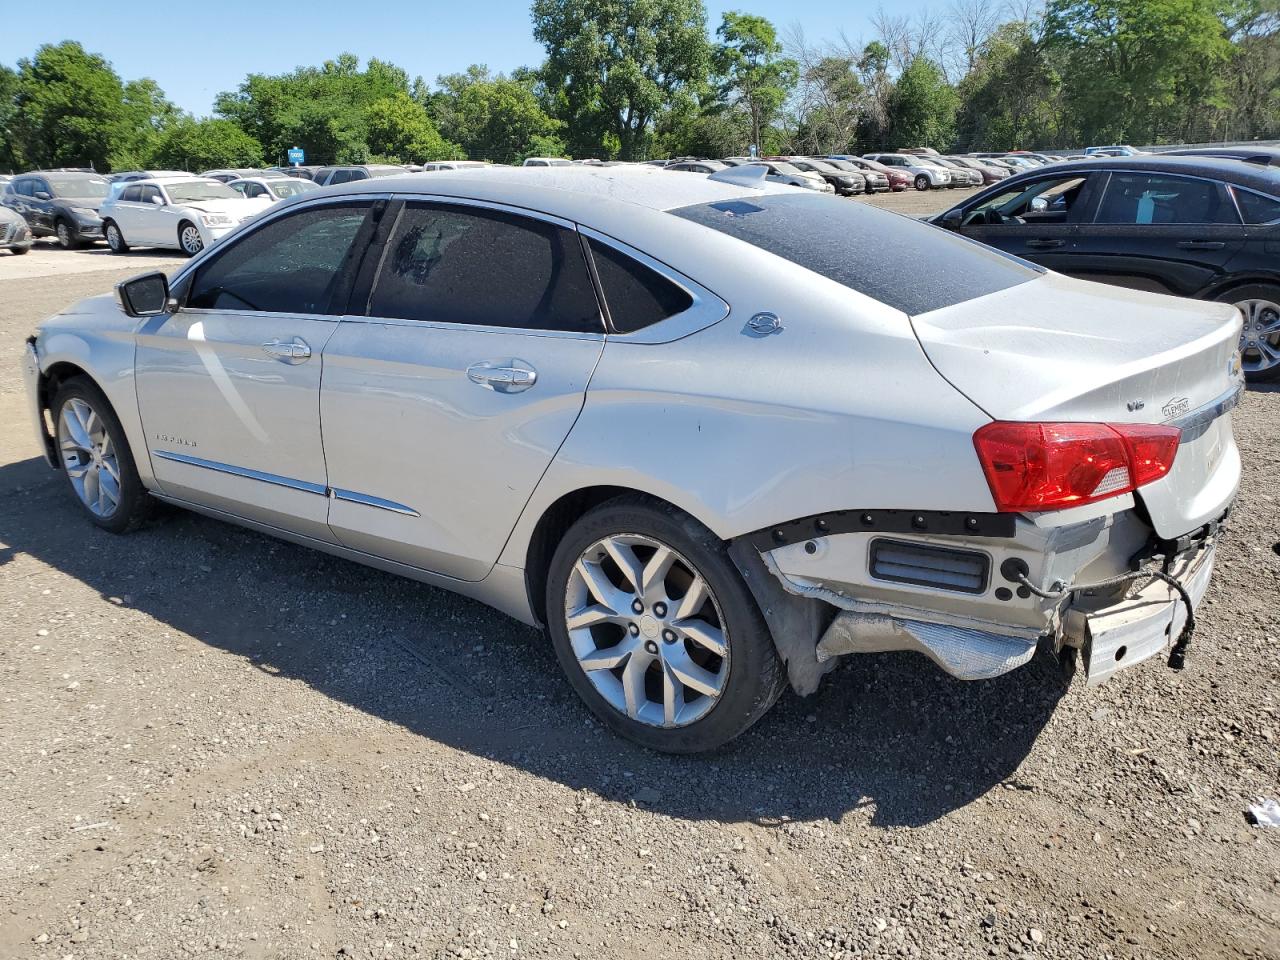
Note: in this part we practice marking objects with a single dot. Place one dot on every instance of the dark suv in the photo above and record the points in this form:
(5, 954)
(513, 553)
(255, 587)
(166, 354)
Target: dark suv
(328, 176)
(1190, 226)
(58, 204)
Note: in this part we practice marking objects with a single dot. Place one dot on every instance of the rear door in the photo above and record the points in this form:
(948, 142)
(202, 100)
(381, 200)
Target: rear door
(1036, 219)
(1160, 232)
(456, 375)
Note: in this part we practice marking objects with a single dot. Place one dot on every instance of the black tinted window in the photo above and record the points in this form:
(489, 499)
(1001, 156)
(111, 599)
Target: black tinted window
(1139, 198)
(635, 295)
(909, 265)
(453, 264)
(1256, 208)
(287, 266)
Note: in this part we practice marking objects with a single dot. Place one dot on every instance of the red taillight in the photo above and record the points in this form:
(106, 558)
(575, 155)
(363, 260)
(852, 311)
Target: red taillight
(1048, 466)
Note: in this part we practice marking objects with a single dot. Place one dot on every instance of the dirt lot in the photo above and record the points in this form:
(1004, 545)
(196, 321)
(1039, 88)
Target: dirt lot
(215, 744)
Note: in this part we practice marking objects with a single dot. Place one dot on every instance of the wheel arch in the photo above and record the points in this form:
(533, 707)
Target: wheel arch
(1238, 281)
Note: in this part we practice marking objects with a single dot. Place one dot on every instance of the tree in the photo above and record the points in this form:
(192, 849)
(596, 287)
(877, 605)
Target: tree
(10, 156)
(616, 66)
(753, 73)
(1138, 70)
(147, 115)
(398, 130)
(1011, 97)
(922, 107)
(190, 144)
(495, 118)
(68, 108)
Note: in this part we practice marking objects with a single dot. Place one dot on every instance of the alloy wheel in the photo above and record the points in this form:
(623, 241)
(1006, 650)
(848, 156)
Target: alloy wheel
(64, 236)
(89, 457)
(114, 240)
(1260, 337)
(647, 631)
(191, 241)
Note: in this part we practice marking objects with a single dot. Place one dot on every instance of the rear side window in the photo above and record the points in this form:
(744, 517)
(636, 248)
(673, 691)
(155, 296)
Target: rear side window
(290, 265)
(636, 296)
(909, 265)
(1141, 198)
(1255, 207)
(458, 264)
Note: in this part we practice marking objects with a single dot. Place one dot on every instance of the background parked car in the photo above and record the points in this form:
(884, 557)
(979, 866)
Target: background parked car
(15, 235)
(302, 173)
(186, 214)
(131, 175)
(897, 179)
(1198, 227)
(924, 174)
(271, 189)
(328, 176)
(227, 175)
(847, 183)
(780, 171)
(990, 172)
(453, 165)
(59, 204)
(547, 162)
(697, 166)
(961, 175)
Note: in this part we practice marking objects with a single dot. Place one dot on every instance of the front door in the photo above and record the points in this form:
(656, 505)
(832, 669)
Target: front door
(1035, 220)
(445, 402)
(229, 386)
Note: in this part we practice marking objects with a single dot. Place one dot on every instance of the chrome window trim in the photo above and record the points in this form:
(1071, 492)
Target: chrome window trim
(351, 496)
(217, 467)
(705, 310)
(441, 199)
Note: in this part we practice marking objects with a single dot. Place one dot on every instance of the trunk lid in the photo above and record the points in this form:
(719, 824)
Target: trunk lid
(1063, 349)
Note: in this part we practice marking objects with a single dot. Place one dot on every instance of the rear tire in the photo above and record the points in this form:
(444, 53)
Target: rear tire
(682, 662)
(1260, 338)
(922, 182)
(115, 239)
(95, 458)
(19, 251)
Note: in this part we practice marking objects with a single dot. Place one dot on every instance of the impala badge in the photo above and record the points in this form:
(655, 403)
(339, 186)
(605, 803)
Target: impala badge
(1176, 408)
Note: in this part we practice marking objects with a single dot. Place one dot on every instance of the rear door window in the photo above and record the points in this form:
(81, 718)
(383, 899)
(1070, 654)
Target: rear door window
(1143, 198)
(289, 265)
(637, 297)
(912, 266)
(460, 264)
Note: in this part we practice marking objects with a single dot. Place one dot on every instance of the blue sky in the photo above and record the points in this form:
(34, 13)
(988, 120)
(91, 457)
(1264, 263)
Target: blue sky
(194, 51)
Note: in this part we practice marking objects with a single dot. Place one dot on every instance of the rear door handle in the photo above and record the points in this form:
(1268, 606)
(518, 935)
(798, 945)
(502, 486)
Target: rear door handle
(503, 376)
(1201, 245)
(1045, 244)
(291, 351)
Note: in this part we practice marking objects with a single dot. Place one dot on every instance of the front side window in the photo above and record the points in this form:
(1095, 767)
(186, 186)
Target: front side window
(289, 265)
(1256, 208)
(1052, 200)
(636, 296)
(912, 266)
(456, 264)
(1145, 198)
(149, 194)
(132, 194)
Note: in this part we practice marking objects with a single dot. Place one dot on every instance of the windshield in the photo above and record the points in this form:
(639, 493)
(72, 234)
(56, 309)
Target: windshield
(188, 191)
(94, 188)
(912, 266)
(844, 165)
(289, 187)
(823, 165)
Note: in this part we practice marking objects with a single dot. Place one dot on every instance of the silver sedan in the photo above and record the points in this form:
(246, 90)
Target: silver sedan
(713, 433)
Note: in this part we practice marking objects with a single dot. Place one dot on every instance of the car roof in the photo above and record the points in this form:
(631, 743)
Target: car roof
(1254, 176)
(594, 195)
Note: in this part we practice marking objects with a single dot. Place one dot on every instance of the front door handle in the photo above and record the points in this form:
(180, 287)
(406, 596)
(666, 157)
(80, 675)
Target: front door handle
(1201, 245)
(1045, 244)
(290, 351)
(503, 376)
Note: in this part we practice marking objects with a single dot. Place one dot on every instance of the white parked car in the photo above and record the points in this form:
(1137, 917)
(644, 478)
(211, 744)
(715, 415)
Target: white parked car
(547, 162)
(188, 215)
(714, 434)
(924, 174)
(439, 165)
(271, 189)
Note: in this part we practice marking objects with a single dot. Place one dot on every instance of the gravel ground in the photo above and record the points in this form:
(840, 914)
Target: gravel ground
(215, 744)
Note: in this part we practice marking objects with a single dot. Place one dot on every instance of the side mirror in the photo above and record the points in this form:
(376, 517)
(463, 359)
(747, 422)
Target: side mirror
(42, 195)
(1039, 204)
(951, 220)
(146, 295)
(158, 201)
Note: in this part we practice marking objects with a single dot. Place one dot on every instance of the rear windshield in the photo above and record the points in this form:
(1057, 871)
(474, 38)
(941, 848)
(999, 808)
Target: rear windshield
(912, 266)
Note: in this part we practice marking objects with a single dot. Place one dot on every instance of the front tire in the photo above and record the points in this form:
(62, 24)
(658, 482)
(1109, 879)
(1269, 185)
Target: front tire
(189, 239)
(922, 182)
(1260, 337)
(67, 238)
(115, 239)
(656, 630)
(95, 458)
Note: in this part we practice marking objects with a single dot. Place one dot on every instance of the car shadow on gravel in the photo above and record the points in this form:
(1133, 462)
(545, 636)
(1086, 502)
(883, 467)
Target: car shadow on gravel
(889, 738)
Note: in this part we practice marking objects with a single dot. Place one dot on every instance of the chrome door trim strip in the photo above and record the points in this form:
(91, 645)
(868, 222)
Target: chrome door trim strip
(350, 496)
(214, 465)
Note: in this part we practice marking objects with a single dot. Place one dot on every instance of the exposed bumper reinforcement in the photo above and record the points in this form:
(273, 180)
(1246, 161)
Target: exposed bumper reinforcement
(963, 653)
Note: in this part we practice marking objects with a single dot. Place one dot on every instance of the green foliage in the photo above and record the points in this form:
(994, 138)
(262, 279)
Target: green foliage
(397, 129)
(616, 66)
(922, 107)
(10, 157)
(1009, 100)
(495, 118)
(753, 73)
(195, 145)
